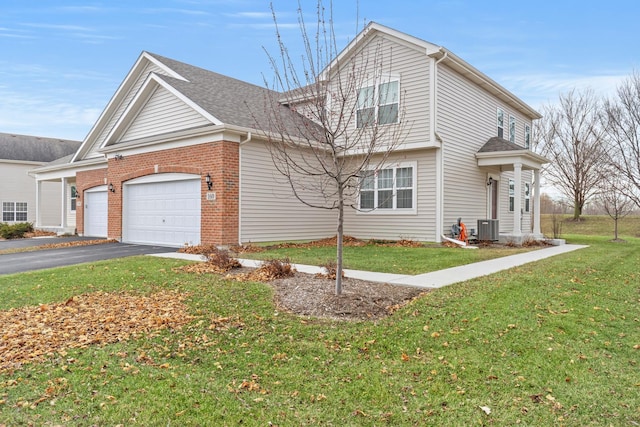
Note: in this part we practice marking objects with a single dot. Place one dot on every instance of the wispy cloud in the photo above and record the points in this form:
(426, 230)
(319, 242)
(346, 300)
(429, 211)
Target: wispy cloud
(59, 27)
(162, 10)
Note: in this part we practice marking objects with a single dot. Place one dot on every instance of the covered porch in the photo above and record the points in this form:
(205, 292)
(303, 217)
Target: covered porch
(499, 155)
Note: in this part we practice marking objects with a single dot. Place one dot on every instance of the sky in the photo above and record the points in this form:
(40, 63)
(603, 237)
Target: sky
(61, 61)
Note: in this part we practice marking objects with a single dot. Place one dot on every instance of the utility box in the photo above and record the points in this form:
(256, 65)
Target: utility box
(488, 230)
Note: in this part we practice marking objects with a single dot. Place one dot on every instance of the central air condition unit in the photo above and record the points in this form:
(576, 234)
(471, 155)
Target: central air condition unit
(488, 229)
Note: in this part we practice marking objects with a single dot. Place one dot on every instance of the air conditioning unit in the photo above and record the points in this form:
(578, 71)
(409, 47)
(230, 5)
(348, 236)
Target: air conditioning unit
(488, 229)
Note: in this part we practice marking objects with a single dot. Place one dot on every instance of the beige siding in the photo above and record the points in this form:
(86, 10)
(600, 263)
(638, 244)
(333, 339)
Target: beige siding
(50, 203)
(116, 116)
(466, 120)
(419, 226)
(268, 209)
(506, 216)
(397, 60)
(17, 186)
(163, 113)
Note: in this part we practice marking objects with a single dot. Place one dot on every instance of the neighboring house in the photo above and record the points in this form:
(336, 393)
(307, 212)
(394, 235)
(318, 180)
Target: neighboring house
(18, 193)
(176, 157)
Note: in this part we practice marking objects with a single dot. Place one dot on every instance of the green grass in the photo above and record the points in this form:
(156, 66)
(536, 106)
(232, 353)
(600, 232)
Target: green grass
(548, 343)
(592, 225)
(400, 260)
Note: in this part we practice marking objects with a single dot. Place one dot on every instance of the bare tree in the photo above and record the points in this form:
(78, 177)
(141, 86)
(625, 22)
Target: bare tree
(350, 113)
(623, 118)
(572, 136)
(614, 199)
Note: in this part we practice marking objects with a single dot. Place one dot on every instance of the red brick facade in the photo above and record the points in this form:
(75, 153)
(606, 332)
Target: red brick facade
(219, 218)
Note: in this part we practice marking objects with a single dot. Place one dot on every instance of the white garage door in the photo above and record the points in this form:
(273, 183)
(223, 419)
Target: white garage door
(95, 212)
(163, 212)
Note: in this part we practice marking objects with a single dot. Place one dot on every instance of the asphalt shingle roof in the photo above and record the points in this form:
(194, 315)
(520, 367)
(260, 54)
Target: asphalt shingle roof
(232, 101)
(496, 143)
(35, 148)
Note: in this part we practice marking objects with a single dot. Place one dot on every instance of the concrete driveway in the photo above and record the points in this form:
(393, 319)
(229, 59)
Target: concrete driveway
(50, 258)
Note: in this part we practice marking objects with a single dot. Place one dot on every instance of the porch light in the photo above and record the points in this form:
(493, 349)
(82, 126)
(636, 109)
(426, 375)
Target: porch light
(113, 190)
(490, 181)
(207, 179)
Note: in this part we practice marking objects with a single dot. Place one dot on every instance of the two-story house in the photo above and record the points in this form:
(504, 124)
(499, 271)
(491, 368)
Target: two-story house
(18, 192)
(177, 156)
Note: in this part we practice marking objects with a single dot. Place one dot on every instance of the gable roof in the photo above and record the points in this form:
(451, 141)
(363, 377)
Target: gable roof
(35, 148)
(438, 52)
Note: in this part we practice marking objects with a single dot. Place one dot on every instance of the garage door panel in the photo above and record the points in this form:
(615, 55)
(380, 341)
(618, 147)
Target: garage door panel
(164, 213)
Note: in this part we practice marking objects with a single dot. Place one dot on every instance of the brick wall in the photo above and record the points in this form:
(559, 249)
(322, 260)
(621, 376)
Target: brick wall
(219, 218)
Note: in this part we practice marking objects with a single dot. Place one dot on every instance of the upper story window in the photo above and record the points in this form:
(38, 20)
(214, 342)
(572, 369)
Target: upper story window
(378, 104)
(527, 136)
(500, 123)
(14, 211)
(512, 129)
(389, 189)
(74, 197)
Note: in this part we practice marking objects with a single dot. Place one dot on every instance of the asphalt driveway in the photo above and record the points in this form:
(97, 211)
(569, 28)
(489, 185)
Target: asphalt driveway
(50, 258)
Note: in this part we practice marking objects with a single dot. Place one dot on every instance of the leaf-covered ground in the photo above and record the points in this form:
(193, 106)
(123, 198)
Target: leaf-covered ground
(33, 333)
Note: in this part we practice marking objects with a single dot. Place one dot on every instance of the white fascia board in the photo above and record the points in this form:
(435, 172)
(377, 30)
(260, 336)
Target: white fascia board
(150, 85)
(68, 170)
(528, 159)
(131, 77)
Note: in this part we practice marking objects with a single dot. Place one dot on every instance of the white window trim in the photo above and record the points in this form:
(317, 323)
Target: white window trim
(512, 195)
(499, 112)
(387, 78)
(527, 197)
(72, 198)
(395, 211)
(15, 212)
(512, 122)
(527, 136)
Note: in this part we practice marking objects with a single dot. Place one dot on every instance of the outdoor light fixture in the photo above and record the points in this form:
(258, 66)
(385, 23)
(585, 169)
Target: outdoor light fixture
(207, 179)
(118, 157)
(490, 181)
(113, 190)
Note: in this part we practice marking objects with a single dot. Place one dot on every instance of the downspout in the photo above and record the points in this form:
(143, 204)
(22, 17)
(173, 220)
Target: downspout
(439, 152)
(242, 142)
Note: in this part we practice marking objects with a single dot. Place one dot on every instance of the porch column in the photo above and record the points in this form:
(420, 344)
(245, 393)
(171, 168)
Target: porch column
(517, 199)
(536, 203)
(38, 201)
(63, 218)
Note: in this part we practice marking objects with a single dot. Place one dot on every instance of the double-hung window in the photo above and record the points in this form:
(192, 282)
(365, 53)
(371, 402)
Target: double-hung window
(14, 211)
(378, 104)
(512, 129)
(391, 189)
(527, 136)
(500, 119)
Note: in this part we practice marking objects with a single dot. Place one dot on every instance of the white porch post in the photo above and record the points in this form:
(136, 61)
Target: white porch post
(63, 218)
(38, 201)
(536, 204)
(517, 199)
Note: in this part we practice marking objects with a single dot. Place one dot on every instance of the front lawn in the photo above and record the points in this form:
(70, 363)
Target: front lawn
(555, 342)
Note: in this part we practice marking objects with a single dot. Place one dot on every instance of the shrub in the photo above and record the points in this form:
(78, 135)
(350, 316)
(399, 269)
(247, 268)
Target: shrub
(275, 269)
(221, 259)
(15, 231)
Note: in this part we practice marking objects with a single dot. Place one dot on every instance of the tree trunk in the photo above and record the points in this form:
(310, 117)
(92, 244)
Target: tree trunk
(615, 228)
(339, 243)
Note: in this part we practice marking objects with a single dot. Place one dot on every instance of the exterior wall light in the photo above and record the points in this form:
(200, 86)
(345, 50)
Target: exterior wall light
(207, 179)
(111, 188)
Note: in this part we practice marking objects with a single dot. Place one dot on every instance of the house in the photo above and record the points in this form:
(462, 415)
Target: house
(176, 157)
(18, 155)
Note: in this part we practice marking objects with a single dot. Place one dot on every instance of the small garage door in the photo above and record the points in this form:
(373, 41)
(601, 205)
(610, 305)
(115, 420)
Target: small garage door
(165, 212)
(95, 212)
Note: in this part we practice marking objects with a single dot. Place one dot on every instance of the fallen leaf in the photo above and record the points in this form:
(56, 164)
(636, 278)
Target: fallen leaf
(486, 409)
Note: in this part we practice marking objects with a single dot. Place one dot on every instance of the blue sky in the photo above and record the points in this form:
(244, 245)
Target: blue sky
(62, 60)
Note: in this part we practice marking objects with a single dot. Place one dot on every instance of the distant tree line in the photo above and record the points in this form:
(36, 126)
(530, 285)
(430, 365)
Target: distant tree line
(593, 144)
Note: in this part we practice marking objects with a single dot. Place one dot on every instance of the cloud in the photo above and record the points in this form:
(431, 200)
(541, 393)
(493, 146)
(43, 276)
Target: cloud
(60, 27)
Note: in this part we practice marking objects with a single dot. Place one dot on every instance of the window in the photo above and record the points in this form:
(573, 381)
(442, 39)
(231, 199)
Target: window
(527, 197)
(74, 196)
(500, 123)
(512, 193)
(527, 136)
(14, 211)
(388, 189)
(512, 129)
(378, 103)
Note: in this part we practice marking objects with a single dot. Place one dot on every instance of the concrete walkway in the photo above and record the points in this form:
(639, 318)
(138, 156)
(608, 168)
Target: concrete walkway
(435, 279)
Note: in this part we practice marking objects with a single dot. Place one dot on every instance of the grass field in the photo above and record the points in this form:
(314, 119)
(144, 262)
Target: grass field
(555, 342)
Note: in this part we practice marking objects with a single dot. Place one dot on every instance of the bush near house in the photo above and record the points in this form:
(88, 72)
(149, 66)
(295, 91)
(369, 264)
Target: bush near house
(15, 231)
